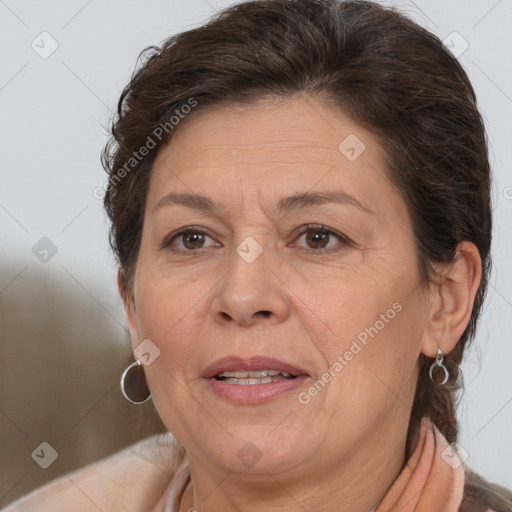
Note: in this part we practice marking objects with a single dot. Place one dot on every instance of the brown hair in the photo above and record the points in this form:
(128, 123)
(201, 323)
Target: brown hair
(392, 76)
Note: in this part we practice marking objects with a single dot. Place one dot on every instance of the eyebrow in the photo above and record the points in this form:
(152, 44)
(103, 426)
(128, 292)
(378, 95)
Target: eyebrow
(286, 204)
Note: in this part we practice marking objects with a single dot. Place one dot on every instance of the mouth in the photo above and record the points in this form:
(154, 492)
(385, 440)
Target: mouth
(253, 380)
(241, 378)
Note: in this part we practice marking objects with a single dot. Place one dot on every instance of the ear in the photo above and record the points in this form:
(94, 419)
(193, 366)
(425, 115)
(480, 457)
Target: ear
(129, 306)
(451, 300)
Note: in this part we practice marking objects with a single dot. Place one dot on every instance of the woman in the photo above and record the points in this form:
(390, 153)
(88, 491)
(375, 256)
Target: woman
(299, 197)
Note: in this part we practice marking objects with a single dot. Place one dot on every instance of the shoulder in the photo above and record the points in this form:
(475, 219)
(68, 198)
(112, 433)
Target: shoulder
(131, 479)
(483, 496)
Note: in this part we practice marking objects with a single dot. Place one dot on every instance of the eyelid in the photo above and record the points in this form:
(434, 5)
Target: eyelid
(175, 234)
(299, 232)
(320, 227)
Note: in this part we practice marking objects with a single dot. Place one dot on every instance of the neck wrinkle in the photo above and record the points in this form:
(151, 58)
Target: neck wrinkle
(179, 484)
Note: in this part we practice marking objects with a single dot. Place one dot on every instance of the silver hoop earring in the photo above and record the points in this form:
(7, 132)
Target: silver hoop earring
(439, 363)
(133, 384)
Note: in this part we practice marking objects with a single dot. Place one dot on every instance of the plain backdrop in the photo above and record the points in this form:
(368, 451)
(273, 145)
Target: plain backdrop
(54, 109)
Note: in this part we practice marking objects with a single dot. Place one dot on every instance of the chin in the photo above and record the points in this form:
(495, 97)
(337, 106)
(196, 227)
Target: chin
(258, 450)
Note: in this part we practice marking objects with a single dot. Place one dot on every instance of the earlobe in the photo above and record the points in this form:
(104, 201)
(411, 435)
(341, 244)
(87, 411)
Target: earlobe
(129, 305)
(451, 300)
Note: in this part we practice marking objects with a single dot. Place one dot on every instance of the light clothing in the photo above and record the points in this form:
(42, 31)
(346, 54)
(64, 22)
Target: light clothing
(151, 476)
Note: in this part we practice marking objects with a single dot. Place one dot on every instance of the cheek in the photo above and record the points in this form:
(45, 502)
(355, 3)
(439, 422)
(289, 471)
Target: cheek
(167, 306)
(372, 343)
(379, 363)
(347, 308)
(170, 313)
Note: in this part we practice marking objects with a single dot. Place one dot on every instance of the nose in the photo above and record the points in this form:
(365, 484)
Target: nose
(250, 293)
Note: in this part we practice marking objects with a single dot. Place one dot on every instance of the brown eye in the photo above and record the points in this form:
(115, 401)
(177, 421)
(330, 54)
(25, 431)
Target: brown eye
(317, 239)
(189, 240)
(193, 239)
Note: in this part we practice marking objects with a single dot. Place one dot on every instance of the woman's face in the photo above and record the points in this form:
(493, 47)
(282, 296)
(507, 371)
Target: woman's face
(298, 257)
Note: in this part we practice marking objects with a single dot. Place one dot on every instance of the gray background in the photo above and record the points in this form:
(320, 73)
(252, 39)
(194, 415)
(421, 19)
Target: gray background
(64, 340)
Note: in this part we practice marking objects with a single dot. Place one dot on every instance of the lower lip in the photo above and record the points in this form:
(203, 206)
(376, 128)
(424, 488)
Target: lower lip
(255, 393)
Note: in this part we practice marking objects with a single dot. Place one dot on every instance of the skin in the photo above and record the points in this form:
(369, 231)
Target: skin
(346, 445)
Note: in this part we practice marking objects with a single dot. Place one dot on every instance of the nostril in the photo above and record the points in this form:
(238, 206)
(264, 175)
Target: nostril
(226, 316)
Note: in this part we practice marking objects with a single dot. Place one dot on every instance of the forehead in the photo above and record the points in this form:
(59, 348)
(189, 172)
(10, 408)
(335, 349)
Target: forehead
(278, 126)
(273, 146)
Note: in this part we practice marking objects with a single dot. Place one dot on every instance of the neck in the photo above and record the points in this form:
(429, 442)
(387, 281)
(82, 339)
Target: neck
(357, 482)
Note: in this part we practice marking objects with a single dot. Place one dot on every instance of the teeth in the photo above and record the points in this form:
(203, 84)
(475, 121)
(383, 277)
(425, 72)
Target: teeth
(248, 382)
(259, 374)
(246, 378)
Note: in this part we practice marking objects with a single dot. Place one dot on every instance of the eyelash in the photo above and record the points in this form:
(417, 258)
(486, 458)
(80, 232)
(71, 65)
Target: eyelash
(166, 244)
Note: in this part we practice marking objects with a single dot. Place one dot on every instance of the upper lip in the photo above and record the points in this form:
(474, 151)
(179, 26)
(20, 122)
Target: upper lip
(253, 363)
